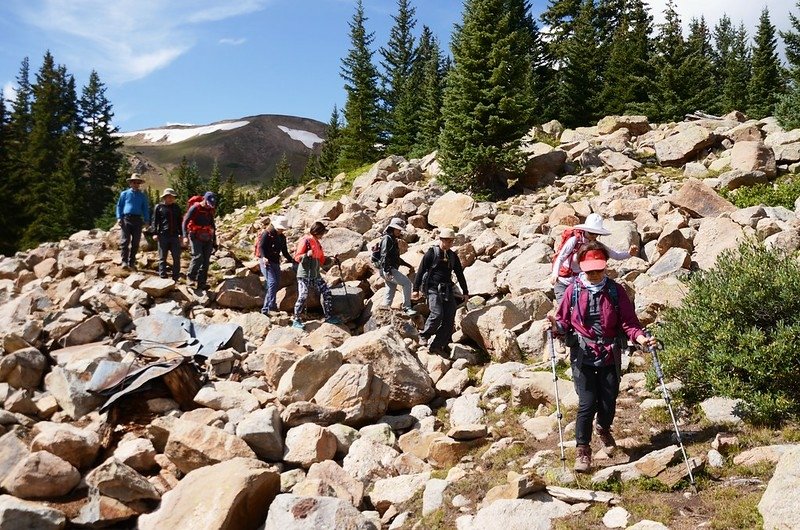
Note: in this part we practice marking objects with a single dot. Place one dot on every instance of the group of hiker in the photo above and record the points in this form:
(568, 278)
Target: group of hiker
(594, 317)
(171, 229)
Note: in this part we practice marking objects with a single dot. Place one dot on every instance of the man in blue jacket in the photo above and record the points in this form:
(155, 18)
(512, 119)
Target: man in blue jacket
(133, 211)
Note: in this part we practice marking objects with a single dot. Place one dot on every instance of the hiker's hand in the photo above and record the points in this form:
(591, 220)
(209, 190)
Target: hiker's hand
(551, 323)
(415, 295)
(309, 253)
(553, 280)
(645, 340)
(634, 250)
(390, 276)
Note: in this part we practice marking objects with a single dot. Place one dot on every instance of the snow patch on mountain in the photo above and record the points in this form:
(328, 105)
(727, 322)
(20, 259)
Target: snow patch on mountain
(308, 138)
(173, 136)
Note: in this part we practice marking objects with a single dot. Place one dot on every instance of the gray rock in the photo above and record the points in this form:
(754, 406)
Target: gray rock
(778, 505)
(262, 431)
(722, 410)
(41, 475)
(17, 514)
(119, 481)
(312, 513)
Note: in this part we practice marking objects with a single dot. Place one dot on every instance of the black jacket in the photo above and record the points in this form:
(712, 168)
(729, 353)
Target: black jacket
(390, 254)
(167, 220)
(440, 270)
(273, 244)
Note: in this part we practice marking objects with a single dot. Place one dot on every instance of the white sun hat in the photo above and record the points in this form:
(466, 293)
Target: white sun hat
(279, 222)
(398, 223)
(446, 233)
(593, 225)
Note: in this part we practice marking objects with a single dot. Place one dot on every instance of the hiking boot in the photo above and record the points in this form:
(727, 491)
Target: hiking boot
(333, 319)
(441, 351)
(606, 439)
(126, 267)
(297, 324)
(163, 275)
(409, 311)
(583, 459)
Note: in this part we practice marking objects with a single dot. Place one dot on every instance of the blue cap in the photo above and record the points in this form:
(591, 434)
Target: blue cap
(211, 198)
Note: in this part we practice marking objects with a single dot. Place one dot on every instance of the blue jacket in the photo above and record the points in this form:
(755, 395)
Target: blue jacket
(132, 202)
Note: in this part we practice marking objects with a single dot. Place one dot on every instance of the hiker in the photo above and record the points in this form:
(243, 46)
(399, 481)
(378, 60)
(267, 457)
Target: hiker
(166, 228)
(133, 212)
(594, 315)
(390, 261)
(565, 265)
(435, 275)
(271, 244)
(310, 259)
(200, 231)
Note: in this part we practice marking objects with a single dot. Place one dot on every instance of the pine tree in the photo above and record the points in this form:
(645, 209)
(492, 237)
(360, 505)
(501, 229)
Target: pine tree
(215, 182)
(487, 97)
(697, 69)
(227, 198)
(186, 181)
(628, 70)
(765, 82)
(361, 111)
(430, 66)
(16, 168)
(580, 81)
(328, 162)
(397, 91)
(311, 169)
(788, 108)
(283, 175)
(559, 19)
(100, 149)
(50, 201)
(7, 222)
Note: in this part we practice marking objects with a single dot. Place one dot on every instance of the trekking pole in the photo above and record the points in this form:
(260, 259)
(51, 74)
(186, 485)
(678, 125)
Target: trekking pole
(660, 375)
(558, 406)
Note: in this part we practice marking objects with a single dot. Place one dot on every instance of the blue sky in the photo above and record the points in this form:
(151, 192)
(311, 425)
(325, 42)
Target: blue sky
(200, 61)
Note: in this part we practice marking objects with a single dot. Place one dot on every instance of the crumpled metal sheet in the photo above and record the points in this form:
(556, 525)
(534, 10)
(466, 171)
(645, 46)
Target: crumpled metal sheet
(139, 380)
(161, 333)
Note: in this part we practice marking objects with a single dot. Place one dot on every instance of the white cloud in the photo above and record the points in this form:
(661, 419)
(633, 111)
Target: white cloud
(232, 42)
(127, 39)
(9, 91)
(745, 11)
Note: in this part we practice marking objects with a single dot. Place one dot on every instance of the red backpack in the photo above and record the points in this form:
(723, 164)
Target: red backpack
(204, 229)
(565, 271)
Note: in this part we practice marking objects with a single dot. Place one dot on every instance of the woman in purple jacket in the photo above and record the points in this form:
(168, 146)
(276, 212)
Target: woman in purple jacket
(594, 312)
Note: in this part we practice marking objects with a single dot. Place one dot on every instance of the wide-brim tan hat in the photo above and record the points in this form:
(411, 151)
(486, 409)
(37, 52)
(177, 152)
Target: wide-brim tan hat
(280, 222)
(168, 191)
(446, 233)
(135, 176)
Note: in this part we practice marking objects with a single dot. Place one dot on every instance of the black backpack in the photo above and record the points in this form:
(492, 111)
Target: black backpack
(375, 252)
(437, 257)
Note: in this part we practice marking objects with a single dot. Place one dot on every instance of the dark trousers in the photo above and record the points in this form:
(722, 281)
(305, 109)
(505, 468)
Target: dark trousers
(131, 235)
(441, 320)
(597, 389)
(273, 279)
(326, 298)
(201, 256)
(169, 245)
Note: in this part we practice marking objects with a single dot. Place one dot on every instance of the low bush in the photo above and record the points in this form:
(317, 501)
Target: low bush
(782, 192)
(736, 334)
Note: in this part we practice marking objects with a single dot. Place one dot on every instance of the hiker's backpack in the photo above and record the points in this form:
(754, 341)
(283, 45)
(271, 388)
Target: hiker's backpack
(613, 293)
(257, 244)
(203, 231)
(375, 252)
(565, 271)
(437, 257)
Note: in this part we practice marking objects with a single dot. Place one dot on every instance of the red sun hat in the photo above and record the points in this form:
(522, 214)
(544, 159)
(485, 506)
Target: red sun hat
(593, 260)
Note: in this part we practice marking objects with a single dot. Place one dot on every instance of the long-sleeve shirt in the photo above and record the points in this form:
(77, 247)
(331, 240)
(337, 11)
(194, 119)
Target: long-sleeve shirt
(273, 244)
(133, 202)
(440, 270)
(391, 253)
(167, 219)
(569, 252)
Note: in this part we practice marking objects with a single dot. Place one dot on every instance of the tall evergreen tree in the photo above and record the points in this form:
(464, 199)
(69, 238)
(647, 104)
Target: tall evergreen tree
(397, 64)
(487, 98)
(328, 162)
(215, 182)
(430, 66)
(580, 81)
(16, 167)
(100, 148)
(227, 198)
(628, 68)
(361, 111)
(7, 222)
(50, 200)
(559, 21)
(697, 69)
(186, 181)
(765, 81)
(788, 108)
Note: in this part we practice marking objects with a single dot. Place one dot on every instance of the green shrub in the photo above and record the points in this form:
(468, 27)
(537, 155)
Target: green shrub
(788, 109)
(736, 334)
(782, 192)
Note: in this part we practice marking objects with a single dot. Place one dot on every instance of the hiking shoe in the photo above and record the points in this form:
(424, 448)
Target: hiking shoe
(409, 311)
(126, 267)
(606, 438)
(297, 324)
(163, 275)
(333, 319)
(441, 351)
(583, 459)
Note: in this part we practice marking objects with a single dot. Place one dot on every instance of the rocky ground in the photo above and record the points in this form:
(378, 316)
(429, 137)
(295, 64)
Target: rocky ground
(131, 401)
